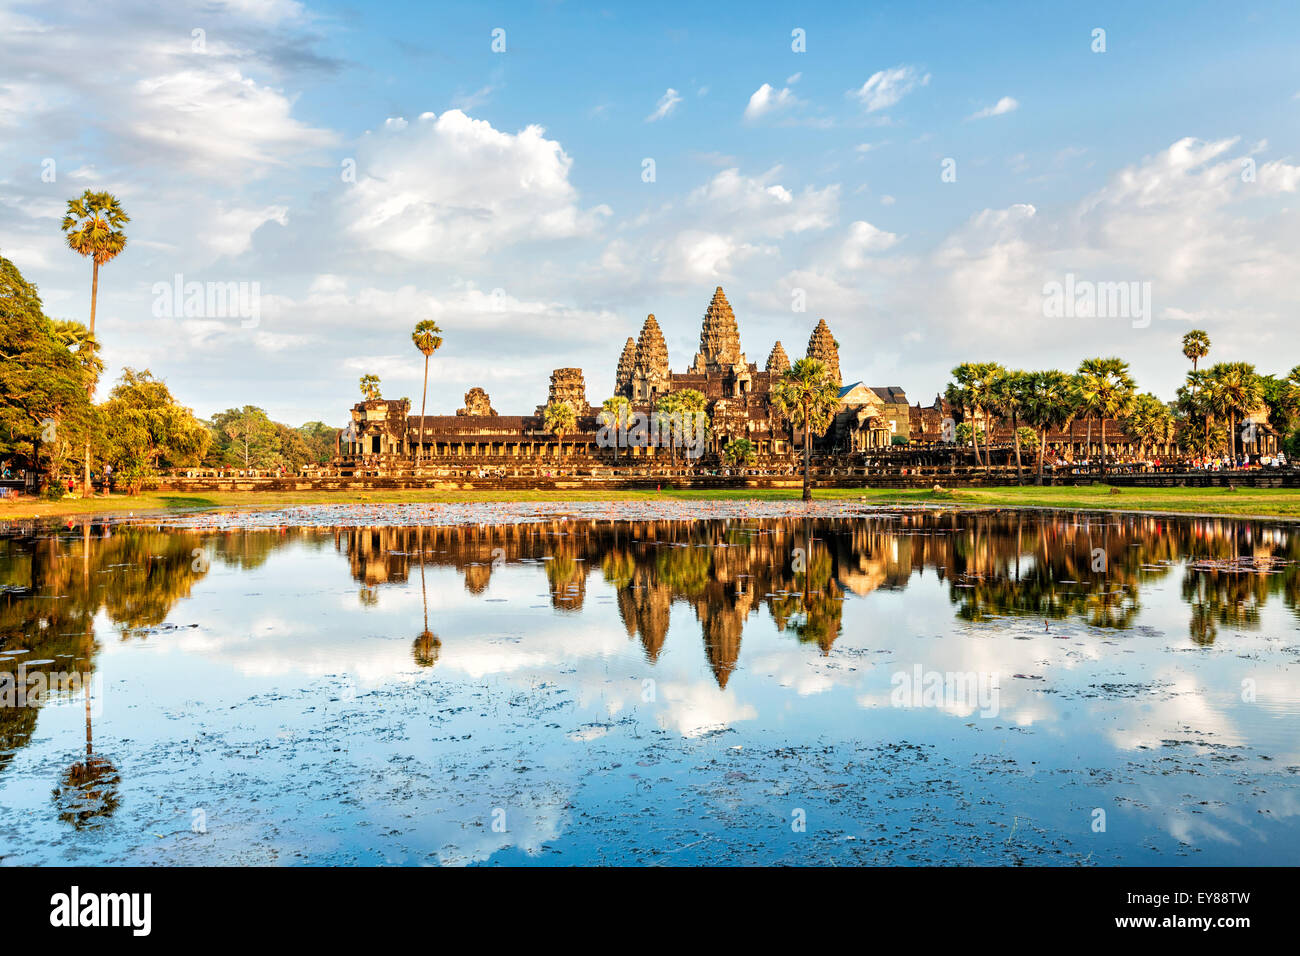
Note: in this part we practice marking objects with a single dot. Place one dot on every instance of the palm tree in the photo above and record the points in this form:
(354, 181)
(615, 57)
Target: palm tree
(1106, 390)
(739, 452)
(1196, 345)
(560, 418)
(1240, 393)
(974, 381)
(691, 404)
(1007, 396)
(370, 387)
(1149, 421)
(668, 409)
(809, 398)
(93, 225)
(615, 413)
(1050, 403)
(427, 337)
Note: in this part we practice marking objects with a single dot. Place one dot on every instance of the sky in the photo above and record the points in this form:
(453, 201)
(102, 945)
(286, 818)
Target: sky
(538, 177)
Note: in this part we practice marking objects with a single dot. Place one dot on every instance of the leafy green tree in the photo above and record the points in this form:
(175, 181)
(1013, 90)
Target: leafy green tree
(321, 441)
(245, 438)
(808, 397)
(145, 429)
(44, 387)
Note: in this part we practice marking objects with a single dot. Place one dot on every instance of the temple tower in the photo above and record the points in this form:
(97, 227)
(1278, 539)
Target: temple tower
(822, 346)
(626, 365)
(778, 363)
(568, 386)
(719, 339)
(650, 365)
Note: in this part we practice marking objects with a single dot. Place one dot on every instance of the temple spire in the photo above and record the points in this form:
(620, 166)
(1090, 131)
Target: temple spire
(822, 346)
(626, 364)
(778, 363)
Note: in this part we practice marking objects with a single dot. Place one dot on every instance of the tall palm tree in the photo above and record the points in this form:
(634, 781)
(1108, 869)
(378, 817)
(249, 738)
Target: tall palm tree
(1050, 403)
(1196, 345)
(93, 226)
(974, 382)
(1007, 397)
(1149, 421)
(669, 409)
(615, 413)
(370, 387)
(809, 397)
(1106, 391)
(692, 405)
(560, 418)
(427, 337)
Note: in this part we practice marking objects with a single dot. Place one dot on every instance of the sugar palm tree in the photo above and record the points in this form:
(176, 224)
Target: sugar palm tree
(93, 226)
(370, 387)
(1106, 390)
(1240, 393)
(974, 381)
(559, 419)
(1007, 396)
(1050, 403)
(427, 338)
(668, 409)
(1196, 345)
(615, 413)
(808, 396)
(739, 452)
(1149, 421)
(692, 405)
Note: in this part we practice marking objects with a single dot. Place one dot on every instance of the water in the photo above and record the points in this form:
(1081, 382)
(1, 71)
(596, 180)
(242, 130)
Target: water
(529, 687)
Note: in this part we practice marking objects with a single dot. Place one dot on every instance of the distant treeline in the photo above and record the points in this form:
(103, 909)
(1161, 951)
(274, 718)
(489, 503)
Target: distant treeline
(247, 438)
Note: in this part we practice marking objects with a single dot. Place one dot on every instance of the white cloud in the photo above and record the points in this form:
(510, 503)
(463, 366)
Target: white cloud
(451, 187)
(1005, 105)
(766, 100)
(667, 103)
(885, 88)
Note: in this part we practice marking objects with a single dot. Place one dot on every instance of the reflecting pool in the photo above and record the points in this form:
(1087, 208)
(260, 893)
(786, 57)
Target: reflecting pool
(853, 686)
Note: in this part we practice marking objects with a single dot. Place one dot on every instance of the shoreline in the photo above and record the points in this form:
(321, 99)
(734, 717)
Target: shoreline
(1243, 504)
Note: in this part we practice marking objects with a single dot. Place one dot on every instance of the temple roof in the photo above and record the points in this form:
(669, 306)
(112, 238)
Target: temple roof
(777, 361)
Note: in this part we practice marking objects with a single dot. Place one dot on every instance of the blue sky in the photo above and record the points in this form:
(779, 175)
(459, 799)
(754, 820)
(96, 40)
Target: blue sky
(502, 193)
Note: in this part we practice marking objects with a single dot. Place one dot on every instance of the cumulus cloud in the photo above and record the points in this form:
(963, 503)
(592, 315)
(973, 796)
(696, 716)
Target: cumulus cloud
(885, 88)
(452, 186)
(767, 100)
(1005, 105)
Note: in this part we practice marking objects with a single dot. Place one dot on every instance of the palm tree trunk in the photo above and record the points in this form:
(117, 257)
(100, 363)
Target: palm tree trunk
(94, 297)
(1015, 433)
(1042, 453)
(1103, 446)
(424, 394)
(807, 456)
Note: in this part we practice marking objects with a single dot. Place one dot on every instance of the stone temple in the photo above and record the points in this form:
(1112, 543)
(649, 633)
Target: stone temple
(737, 399)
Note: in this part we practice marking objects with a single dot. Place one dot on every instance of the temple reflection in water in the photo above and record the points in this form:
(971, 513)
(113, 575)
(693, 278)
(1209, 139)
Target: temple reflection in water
(61, 585)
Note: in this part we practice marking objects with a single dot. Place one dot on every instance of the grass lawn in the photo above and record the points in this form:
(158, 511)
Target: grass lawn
(1244, 501)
